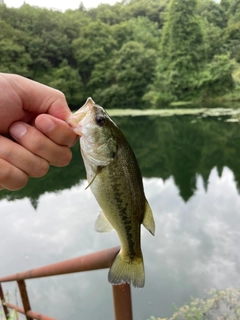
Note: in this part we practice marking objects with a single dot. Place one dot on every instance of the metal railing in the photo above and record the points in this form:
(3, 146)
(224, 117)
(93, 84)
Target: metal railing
(95, 261)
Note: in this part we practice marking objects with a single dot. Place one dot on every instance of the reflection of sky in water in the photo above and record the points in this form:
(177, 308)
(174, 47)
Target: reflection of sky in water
(195, 247)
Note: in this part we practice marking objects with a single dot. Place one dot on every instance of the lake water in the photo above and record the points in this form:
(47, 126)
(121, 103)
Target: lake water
(191, 170)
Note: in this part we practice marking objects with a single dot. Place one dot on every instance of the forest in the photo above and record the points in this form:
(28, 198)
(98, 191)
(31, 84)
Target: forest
(134, 54)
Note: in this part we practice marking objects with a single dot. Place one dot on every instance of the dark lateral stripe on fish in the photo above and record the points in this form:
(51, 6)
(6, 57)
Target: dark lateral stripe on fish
(115, 179)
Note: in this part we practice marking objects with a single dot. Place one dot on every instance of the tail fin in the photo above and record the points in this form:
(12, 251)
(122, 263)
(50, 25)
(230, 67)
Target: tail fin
(127, 271)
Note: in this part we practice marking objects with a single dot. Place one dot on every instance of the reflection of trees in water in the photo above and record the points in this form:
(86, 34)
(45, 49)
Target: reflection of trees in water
(182, 147)
(55, 180)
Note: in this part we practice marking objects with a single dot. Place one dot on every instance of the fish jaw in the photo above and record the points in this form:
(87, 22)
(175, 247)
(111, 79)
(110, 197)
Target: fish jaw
(76, 119)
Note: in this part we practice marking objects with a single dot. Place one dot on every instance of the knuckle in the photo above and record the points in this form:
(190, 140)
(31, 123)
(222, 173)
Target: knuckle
(38, 147)
(41, 169)
(21, 183)
(7, 173)
(68, 157)
(61, 96)
(65, 158)
(12, 178)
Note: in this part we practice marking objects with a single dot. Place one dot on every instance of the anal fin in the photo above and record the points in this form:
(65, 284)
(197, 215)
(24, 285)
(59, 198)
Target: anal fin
(102, 224)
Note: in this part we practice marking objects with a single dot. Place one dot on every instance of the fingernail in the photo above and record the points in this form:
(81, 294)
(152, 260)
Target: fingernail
(46, 124)
(17, 130)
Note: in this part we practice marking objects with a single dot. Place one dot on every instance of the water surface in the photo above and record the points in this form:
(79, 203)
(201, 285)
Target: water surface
(191, 169)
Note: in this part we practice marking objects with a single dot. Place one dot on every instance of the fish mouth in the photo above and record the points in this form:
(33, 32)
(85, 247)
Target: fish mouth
(75, 119)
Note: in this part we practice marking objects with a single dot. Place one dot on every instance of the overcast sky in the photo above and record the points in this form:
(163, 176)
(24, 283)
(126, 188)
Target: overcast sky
(60, 5)
(56, 4)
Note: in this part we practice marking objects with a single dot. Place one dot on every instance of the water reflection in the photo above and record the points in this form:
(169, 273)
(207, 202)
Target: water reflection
(181, 147)
(191, 180)
(195, 247)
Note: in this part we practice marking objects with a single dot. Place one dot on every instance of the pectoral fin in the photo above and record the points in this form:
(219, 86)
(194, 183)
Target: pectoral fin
(99, 168)
(102, 224)
(148, 220)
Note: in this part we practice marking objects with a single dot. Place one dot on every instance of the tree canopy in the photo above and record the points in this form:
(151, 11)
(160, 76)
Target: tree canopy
(136, 53)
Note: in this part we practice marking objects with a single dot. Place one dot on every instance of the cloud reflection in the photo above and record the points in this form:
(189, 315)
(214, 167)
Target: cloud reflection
(195, 247)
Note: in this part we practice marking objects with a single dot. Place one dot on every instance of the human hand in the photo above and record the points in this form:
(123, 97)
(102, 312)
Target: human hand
(34, 115)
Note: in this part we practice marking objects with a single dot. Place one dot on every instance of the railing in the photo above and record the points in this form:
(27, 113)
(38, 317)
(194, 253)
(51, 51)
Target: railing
(95, 261)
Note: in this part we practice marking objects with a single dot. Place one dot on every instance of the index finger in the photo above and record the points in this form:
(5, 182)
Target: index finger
(57, 130)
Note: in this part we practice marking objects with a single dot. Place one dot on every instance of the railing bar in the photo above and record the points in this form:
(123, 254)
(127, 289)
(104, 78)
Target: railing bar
(31, 314)
(24, 297)
(98, 260)
(122, 302)
(2, 298)
(94, 261)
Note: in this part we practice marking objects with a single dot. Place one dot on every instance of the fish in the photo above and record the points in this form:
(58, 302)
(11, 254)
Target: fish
(115, 180)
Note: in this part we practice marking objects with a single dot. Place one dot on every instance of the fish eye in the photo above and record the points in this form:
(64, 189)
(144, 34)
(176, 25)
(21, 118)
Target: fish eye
(100, 121)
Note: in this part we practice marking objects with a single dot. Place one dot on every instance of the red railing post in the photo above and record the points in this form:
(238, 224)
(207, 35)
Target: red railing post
(30, 313)
(94, 261)
(122, 302)
(2, 298)
(24, 297)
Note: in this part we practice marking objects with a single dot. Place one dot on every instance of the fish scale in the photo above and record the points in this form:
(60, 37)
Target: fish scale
(115, 179)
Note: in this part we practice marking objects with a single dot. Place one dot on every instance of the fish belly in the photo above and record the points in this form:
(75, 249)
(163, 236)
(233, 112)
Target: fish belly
(122, 208)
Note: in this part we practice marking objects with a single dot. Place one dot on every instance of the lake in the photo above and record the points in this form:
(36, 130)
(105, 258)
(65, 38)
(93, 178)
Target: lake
(191, 173)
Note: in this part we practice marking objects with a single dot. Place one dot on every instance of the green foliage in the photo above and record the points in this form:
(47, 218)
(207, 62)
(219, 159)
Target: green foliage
(13, 55)
(13, 315)
(181, 147)
(131, 71)
(219, 305)
(213, 12)
(234, 11)
(94, 45)
(106, 14)
(191, 64)
(139, 29)
(151, 9)
(68, 80)
(181, 54)
(135, 53)
(217, 78)
(232, 40)
(213, 40)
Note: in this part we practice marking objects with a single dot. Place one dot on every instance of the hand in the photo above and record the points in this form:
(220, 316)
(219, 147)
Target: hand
(34, 116)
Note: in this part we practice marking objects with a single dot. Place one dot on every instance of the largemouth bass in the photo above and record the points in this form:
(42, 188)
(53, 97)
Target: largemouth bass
(115, 179)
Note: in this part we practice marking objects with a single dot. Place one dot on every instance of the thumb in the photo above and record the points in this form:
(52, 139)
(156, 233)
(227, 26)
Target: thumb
(38, 98)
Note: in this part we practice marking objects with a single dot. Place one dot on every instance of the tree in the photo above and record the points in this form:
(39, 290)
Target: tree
(216, 78)
(131, 71)
(94, 45)
(234, 11)
(181, 54)
(106, 13)
(232, 40)
(67, 80)
(121, 54)
(140, 29)
(151, 9)
(13, 55)
(213, 12)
